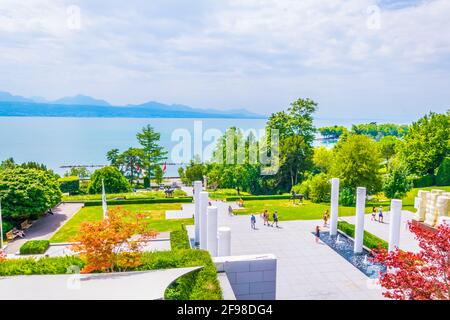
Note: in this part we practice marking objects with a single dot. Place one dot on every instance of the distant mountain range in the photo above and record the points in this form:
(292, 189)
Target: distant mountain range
(85, 106)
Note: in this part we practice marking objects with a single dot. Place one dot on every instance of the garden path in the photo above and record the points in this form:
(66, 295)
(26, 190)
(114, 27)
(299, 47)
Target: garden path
(45, 227)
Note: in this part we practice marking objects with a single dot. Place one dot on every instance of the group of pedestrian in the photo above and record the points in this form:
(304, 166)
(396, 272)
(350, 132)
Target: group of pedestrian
(380, 214)
(266, 218)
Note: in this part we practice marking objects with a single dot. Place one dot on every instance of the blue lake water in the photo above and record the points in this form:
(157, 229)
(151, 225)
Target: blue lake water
(60, 142)
(84, 141)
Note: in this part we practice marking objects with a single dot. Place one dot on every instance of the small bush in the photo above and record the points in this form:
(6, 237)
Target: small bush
(69, 185)
(264, 197)
(179, 239)
(425, 181)
(34, 247)
(320, 188)
(370, 241)
(443, 173)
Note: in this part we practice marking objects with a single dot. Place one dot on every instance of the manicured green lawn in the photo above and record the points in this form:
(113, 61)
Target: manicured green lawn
(155, 212)
(289, 211)
(127, 195)
(310, 211)
(223, 193)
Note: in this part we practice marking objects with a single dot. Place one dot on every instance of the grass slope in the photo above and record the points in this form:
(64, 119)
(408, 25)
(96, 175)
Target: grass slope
(155, 212)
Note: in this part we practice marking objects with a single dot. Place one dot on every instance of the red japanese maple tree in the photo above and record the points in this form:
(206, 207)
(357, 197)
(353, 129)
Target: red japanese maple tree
(113, 243)
(424, 275)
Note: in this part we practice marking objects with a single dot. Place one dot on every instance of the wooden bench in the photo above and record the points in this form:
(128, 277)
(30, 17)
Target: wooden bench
(25, 225)
(10, 235)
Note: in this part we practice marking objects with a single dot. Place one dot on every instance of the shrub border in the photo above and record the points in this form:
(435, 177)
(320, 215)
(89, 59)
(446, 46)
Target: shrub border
(370, 240)
(94, 203)
(263, 197)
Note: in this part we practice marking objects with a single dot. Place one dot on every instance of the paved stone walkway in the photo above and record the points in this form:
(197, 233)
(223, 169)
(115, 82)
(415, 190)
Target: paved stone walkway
(45, 227)
(381, 230)
(306, 269)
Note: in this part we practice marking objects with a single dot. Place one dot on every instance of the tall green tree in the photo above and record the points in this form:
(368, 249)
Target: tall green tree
(159, 174)
(297, 120)
(114, 181)
(357, 162)
(27, 193)
(426, 144)
(8, 164)
(323, 159)
(133, 160)
(396, 184)
(80, 172)
(388, 149)
(153, 153)
(113, 156)
(295, 159)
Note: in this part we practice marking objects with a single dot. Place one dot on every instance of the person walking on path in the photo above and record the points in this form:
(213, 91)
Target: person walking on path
(275, 219)
(325, 218)
(253, 221)
(230, 210)
(265, 217)
(380, 215)
(317, 234)
(374, 213)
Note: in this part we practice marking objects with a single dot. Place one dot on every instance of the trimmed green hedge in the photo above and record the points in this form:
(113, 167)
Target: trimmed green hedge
(29, 266)
(370, 241)
(199, 285)
(69, 185)
(263, 197)
(425, 181)
(34, 247)
(93, 203)
(179, 239)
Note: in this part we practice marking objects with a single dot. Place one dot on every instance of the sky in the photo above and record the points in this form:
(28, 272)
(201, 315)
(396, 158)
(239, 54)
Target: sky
(358, 59)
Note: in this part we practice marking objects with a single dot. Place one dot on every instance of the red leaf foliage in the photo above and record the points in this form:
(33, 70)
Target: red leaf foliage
(424, 275)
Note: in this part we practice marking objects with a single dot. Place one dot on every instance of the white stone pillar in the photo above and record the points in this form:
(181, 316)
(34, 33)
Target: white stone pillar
(224, 238)
(197, 190)
(394, 224)
(211, 218)
(203, 219)
(334, 206)
(359, 225)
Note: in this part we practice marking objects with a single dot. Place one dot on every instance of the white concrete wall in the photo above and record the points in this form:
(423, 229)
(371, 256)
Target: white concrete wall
(252, 277)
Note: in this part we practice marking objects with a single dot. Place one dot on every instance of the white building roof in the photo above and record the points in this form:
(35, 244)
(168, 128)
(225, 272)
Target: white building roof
(145, 285)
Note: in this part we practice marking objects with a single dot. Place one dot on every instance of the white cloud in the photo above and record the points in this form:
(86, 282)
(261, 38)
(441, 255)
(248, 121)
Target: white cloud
(227, 53)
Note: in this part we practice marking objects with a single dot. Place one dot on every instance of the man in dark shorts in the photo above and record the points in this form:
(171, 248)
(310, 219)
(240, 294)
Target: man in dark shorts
(275, 219)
